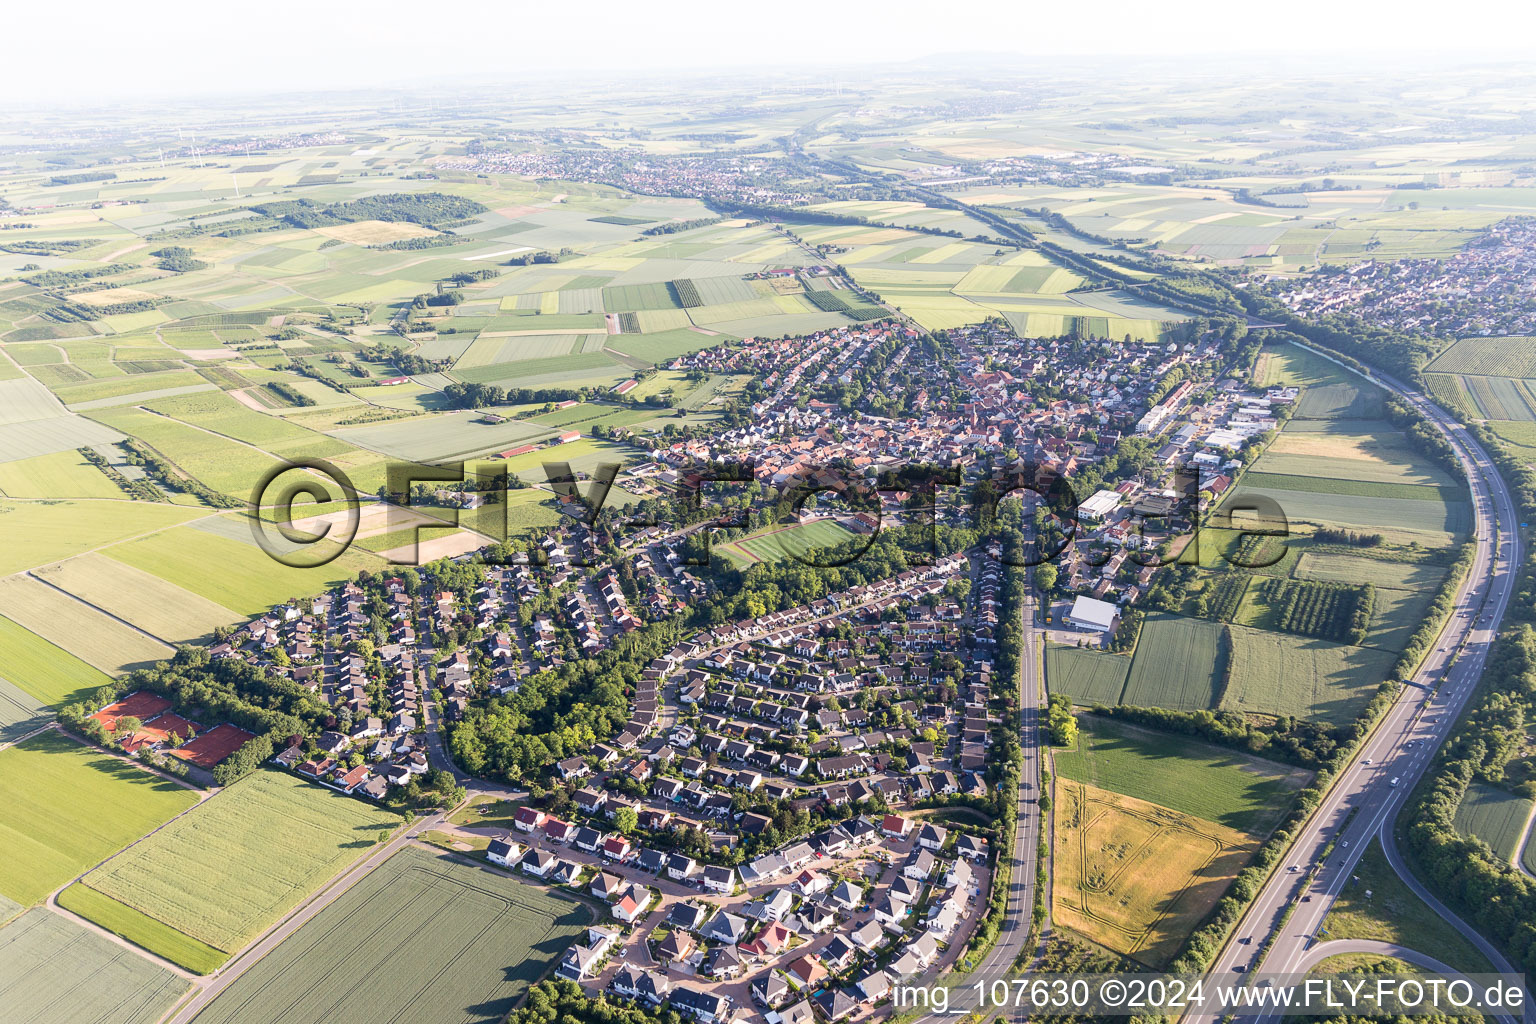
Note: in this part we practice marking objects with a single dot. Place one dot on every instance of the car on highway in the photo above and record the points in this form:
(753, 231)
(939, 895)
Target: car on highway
(1394, 780)
(1294, 869)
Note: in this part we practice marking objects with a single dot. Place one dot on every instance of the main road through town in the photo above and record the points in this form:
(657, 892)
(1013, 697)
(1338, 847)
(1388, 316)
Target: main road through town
(1369, 793)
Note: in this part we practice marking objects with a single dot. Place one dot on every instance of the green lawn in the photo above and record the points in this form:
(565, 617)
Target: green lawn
(487, 812)
(229, 870)
(423, 938)
(1219, 785)
(141, 929)
(67, 806)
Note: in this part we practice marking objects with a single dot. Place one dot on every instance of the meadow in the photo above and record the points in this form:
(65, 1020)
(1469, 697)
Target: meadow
(49, 673)
(20, 712)
(248, 581)
(1281, 674)
(88, 634)
(1088, 677)
(53, 971)
(360, 959)
(227, 871)
(1134, 877)
(157, 607)
(68, 806)
(141, 929)
(34, 533)
(1243, 793)
(1178, 664)
(60, 475)
(1495, 816)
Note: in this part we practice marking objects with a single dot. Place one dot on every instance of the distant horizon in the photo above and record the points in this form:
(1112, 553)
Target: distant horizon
(111, 55)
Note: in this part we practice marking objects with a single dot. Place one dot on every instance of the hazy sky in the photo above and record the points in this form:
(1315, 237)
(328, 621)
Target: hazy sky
(109, 49)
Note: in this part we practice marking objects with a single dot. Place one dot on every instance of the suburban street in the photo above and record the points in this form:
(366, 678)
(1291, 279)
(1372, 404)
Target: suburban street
(1370, 792)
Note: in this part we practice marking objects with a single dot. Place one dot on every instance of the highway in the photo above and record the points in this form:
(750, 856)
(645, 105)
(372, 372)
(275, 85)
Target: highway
(1371, 790)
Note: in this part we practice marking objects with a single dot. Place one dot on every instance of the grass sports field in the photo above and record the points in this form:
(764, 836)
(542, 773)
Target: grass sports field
(54, 971)
(1494, 816)
(776, 543)
(1238, 792)
(1134, 877)
(228, 870)
(1281, 674)
(67, 806)
(1178, 664)
(1088, 677)
(361, 959)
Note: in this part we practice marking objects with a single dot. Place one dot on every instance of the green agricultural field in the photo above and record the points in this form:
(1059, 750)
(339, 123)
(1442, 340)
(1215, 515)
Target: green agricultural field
(216, 411)
(444, 436)
(667, 344)
(1257, 479)
(1220, 785)
(1495, 816)
(1340, 401)
(1395, 615)
(54, 971)
(227, 871)
(223, 464)
(248, 580)
(1088, 677)
(159, 608)
(1493, 357)
(360, 959)
(1433, 522)
(632, 297)
(67, 806)
(1281, 674)
(47, 672)
(35, 533)
(60, 475)
(89, 634)
(20, 712)
(1341, 568)
(141, 929)
(1177, 665)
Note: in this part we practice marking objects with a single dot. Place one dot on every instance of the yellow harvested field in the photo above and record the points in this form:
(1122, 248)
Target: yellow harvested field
(1134, 877)
(986, 279)
(1359, 447)
(374, 232)
(110, 296)
(652, 320)
(944, 253)
(444, 546)
(549, 303)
